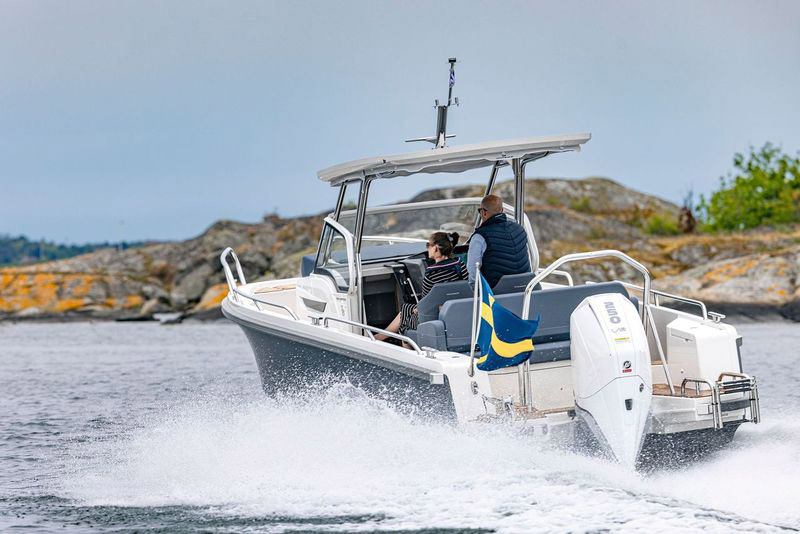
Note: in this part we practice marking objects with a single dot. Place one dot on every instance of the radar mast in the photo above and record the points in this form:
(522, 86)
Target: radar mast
(441, 136)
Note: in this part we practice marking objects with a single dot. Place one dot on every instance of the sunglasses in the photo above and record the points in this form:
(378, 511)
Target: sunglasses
(481, 210)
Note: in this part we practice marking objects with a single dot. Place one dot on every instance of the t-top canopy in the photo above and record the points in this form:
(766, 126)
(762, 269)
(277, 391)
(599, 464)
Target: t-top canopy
(451, 159)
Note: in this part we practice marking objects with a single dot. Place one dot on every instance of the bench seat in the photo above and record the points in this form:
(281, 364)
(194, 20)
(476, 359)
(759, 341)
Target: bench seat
(452, 330)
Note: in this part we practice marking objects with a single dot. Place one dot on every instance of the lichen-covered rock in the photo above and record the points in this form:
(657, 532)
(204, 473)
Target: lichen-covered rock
(753, 281)
(567, 216)
(564, 209)
(38, 292)
(212, 298)
(194, 283)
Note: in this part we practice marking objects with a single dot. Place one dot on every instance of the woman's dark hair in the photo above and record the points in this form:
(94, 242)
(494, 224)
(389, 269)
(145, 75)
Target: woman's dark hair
(446, 242)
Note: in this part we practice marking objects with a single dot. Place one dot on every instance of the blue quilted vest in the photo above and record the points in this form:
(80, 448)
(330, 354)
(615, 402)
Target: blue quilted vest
(506, 248)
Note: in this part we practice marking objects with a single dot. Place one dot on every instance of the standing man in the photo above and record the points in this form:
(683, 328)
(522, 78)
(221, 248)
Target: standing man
(499, 244)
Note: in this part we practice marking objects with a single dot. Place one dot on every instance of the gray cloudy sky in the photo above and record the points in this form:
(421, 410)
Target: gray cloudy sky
(131, 120)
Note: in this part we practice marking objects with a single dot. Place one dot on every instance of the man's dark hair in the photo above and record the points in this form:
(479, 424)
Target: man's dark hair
(446, 242)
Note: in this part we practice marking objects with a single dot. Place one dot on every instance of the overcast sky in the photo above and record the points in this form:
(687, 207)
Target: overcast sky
(132, 120)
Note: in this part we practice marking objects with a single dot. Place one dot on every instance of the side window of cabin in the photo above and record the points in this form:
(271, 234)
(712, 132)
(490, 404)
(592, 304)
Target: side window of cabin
(349, 204)
(332, 259)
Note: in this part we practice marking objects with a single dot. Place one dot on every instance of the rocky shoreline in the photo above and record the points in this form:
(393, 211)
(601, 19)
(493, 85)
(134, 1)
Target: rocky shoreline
(753, 274)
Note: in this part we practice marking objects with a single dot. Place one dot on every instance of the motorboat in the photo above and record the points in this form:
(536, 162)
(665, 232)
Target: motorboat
(630, 370)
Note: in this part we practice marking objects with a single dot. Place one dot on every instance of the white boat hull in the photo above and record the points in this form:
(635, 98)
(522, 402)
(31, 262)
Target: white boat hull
(290, 362)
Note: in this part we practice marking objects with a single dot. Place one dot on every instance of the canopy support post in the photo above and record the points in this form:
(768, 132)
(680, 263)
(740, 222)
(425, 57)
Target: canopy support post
(340, 202)
(489, 187)
(363, 195)
(519, 189)
(492, 178)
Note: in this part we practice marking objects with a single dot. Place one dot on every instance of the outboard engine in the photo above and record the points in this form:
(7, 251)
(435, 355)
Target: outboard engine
(611, 375)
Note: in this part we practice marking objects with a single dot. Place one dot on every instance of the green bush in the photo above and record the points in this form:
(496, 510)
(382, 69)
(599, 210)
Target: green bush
(553, 200)
(582, 205)
(597, 232)
(764, 189)
(658, 224)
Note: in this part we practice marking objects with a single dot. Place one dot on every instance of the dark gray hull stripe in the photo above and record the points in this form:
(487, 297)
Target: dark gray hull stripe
(302, 340)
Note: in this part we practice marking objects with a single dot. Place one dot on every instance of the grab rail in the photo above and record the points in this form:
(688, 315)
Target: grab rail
(370, 329)
(714, 316)
(697, 383)
(565, 274)
(656, 293)
(646, 315)
(223, 259)
(526, 304)
(648, 312)
(733, 375)
(686, 300)
(232, 286)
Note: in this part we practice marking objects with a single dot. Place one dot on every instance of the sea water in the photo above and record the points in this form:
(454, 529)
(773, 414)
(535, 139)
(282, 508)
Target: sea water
(136, 426)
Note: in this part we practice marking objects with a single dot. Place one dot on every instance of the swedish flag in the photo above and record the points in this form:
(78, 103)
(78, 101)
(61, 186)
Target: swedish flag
(504, 339)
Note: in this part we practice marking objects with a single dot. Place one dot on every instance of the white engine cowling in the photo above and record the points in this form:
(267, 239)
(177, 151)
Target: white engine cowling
(611, 374)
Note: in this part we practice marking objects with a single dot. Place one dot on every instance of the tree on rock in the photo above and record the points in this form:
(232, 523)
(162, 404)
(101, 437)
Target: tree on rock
(763, 190)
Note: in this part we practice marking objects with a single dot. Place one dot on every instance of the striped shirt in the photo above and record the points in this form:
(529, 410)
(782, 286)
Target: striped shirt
(448, 270)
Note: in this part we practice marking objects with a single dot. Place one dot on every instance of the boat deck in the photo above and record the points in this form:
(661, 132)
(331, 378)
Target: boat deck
(663, 390)
(524, 413)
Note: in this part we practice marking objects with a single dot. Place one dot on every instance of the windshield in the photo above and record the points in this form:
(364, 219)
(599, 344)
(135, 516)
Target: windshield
(415, 222)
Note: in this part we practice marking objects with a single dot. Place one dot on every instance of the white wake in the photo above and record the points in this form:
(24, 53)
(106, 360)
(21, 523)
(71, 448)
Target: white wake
(337, 453)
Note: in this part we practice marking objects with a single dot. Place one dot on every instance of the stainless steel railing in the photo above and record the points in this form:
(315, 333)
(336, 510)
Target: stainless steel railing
(582, 256)
(565, 274)
(646, 315)
(741, 383)
(714, 316)
(370, 329)
(223, 259)
(233, 285)
(697, 383)
(477, 298)
(656, 294)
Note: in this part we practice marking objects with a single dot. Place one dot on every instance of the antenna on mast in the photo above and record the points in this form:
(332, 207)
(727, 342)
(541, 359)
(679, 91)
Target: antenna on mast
(441, 136)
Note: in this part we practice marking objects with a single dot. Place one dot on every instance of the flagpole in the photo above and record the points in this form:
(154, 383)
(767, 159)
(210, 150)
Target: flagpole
(452, 82)
(528, 386)
(525, 385)
(477, 297)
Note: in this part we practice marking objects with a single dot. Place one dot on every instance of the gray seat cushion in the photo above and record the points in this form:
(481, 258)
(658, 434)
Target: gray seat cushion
(553, 306)
(551, 352)
(429, 305)
(430, 334)
(413, 334)
(513, 283)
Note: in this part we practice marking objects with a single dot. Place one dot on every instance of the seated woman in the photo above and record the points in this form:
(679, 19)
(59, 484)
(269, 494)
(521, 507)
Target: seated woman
(446, 269)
